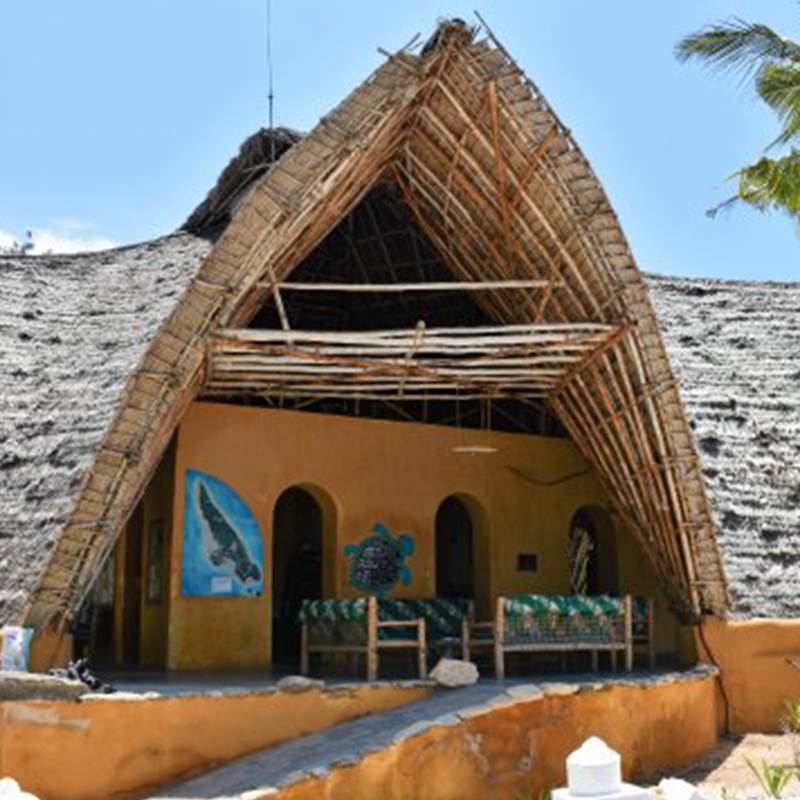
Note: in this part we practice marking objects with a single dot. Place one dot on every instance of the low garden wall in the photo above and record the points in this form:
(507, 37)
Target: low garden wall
(753, 658)
(519, 746)
(108, 746)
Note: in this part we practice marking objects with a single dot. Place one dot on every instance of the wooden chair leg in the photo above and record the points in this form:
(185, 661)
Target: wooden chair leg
(304, 660)
(499, 638)
(372, 639)
(628, 633)
(423, 651)
(499, 661)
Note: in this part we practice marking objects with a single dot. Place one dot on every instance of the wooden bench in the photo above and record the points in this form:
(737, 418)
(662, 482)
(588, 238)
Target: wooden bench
(554, 623)
(369, 626)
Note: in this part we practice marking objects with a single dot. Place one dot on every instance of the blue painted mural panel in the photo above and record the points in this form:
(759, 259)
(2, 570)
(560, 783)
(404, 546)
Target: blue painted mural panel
(223, 552)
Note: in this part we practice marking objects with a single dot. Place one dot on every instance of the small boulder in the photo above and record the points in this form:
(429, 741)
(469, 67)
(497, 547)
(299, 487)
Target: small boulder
(678, 789)
(297, 684)
(452, 673)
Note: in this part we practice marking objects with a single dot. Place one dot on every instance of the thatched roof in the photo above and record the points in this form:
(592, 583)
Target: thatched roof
(736, 349)
(502, 191)
(242, 173)
(73, 330)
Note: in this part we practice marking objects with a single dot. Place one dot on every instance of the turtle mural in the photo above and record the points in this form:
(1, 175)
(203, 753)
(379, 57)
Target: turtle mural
(222, 547)
(378, 562)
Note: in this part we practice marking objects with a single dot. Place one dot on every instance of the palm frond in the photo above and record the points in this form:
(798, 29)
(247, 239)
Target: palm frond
(778, 85)
(738, 45)
(769, 185)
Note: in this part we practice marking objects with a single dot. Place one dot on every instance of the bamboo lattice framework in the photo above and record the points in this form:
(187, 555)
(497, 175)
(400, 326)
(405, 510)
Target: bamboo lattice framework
(502, 191)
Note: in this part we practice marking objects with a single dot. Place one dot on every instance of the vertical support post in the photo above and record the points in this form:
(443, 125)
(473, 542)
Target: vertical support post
(372, 639)
(595, 661)
(423, 649)
(466, 627)
(628, 632)
(499, 638)
(651, 633)
(304, 658)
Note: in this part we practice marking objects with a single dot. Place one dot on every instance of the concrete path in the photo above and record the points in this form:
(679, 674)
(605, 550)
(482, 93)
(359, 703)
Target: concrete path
(316, 755)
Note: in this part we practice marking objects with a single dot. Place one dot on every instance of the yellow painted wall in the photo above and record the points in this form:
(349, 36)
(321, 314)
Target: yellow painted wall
(522, 747)
(395, 473)
(158, 510)
(752, 657)
(111, 747)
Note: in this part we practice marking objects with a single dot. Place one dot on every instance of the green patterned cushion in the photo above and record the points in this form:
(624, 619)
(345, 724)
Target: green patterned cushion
(443, 618)
(563, 619)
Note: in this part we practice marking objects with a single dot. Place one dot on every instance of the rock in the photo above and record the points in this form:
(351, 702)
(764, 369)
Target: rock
(297, 684)
(35, 686)
(452, 673)
(677, 789)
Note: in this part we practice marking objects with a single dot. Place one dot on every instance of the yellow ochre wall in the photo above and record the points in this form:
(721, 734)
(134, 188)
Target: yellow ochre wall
(397, 473)
(113, 746)
(519, 749)
(753, 659)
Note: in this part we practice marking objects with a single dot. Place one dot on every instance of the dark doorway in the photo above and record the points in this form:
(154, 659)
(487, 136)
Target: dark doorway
(132, 589)
(297, 533)
(455, 564)
(592, 554)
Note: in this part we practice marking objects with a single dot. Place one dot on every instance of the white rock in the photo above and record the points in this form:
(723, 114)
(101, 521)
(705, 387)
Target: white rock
(297, 684)
(677, 789)
(594, 769)
(452, 673)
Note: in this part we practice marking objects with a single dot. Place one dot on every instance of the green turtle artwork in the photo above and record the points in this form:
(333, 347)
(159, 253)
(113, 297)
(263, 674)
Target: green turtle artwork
(378, 562)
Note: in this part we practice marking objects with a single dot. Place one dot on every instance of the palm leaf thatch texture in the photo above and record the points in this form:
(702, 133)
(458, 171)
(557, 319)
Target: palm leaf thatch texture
(74, 331)
(501, 190)
(772, 64)
(736, 349)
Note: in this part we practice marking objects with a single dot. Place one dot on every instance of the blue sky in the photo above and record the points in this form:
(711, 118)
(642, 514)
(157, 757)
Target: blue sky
(118, 116)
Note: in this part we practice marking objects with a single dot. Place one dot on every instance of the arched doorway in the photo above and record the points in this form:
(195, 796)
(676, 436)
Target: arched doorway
(297, 568)
(592, 553)
(455, 550)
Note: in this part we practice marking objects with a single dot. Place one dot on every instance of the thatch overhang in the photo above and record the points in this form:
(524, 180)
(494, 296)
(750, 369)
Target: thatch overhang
(74, 334)
(735, 347)
(503, 192)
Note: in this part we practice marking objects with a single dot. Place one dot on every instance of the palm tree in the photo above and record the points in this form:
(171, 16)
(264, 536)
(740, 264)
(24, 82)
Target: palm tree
(772, 65)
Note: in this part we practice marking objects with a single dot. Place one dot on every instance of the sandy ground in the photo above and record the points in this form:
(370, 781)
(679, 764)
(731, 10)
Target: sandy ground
(724, 771)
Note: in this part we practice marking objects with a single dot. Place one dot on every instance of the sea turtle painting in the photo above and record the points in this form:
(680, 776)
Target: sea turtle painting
(378, 563)
(224, 545)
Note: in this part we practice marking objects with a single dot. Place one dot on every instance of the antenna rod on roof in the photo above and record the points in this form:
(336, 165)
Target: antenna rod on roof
(271, 95)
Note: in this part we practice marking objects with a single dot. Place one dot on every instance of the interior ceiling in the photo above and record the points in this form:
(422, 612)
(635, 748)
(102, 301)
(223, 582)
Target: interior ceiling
(379, 242)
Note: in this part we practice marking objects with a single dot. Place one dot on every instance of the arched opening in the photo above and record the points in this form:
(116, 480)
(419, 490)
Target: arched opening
(300, 522)
(592, 553)
(455, 550)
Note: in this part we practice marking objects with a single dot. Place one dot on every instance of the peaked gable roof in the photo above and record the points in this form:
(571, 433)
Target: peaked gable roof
(502, 190)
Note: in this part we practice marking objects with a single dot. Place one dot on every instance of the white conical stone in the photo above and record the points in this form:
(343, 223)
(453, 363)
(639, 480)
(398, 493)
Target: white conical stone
(594, 769)
(9, 788)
